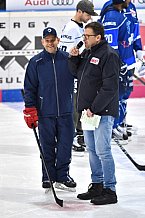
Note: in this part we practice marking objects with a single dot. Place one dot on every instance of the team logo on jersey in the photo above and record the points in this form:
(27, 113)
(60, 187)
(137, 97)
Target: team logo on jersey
(125, 44)
(62, 2)
(66, 36)
(94, 61)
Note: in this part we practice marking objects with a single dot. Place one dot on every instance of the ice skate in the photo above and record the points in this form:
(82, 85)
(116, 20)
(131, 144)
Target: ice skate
(66, 186)
(130, 128)
(119, 136)
(78, 149)
(123, 129)
(46, 185)
(77, 146)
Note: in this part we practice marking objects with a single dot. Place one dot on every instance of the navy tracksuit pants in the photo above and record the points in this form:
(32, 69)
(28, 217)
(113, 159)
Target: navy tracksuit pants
(56, 138)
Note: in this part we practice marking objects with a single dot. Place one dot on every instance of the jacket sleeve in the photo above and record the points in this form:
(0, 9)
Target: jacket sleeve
(137, 45)
(30, 85)
(110, 81)
(73, 63)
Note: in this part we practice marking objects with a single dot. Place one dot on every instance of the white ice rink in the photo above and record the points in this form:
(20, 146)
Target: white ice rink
(21, 195)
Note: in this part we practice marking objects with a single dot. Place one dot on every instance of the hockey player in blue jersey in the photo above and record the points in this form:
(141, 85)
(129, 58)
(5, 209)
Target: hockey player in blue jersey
(125, 38)
(136, 50)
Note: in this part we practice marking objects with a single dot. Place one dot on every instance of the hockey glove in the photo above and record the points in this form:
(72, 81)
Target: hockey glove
(140, 54)
(141, 70)
(30, 117)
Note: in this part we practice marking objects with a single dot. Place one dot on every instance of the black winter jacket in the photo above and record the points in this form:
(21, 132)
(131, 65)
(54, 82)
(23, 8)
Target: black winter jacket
(97, 71)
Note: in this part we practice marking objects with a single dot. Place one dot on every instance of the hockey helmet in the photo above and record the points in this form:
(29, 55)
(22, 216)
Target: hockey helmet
(116, 2)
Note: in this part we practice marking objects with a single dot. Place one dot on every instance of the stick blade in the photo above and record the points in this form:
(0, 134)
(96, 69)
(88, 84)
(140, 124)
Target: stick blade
(141, 167)
(59, 202)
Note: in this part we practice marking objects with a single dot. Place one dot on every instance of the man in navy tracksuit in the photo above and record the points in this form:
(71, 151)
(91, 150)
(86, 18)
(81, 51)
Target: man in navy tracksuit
(48, 96)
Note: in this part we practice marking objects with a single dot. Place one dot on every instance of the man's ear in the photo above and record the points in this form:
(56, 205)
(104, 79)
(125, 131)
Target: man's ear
(42, 41)
(58, 39)
(98, 38)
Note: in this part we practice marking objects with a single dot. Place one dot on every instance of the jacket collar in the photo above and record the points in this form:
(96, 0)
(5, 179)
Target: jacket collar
(97, 46)
(49, 55)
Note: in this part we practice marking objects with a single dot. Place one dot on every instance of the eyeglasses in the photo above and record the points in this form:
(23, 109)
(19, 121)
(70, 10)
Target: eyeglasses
(86, 36)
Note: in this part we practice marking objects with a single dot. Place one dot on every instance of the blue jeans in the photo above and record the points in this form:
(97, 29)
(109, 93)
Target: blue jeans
(101, 161)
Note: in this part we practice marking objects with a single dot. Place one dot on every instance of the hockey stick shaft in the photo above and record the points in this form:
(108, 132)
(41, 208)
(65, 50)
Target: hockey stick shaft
(58, 201)
(139, 167)
(139, 79)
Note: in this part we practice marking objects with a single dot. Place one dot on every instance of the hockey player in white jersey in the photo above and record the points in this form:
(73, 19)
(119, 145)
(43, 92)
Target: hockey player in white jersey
(70, 37)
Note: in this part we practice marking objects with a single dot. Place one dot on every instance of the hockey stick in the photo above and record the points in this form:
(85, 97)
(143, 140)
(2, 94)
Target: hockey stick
(139, 167)
(58, 201)
(139, 79)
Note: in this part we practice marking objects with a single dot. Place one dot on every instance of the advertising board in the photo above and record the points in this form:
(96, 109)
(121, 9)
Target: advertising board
(54, 5)
(20, 39)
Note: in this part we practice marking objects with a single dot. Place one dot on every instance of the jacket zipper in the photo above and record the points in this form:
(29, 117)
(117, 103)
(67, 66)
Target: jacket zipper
(41, 102)
(56, 86)
(81, 80)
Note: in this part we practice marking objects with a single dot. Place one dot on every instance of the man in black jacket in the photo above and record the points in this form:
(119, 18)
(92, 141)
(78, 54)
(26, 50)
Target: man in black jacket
(97, 70)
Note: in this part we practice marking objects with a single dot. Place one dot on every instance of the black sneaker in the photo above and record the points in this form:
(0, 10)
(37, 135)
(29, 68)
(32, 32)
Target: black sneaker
(107, 197)
(94, 189)
(67, 185)
(46, 184)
